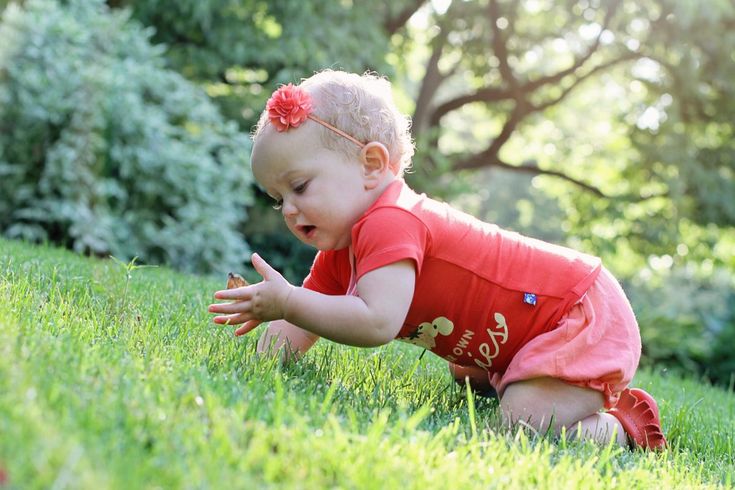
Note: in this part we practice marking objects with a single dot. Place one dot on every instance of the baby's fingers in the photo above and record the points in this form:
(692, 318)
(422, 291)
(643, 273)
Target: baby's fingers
(232, 319)
(237, 293)
(238, 307)
(250, 325)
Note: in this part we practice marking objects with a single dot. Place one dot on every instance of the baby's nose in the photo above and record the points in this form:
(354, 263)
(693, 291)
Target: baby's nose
(288, 208)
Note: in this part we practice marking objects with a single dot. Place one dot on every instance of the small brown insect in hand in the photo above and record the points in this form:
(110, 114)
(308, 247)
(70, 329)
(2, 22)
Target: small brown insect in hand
(235, 280)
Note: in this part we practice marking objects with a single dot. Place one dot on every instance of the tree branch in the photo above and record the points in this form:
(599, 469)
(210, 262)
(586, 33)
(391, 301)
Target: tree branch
(579, 61)
(500, 48)
(491, 153)
(433, 78)
(489, 156)
(487, 94)
(393, 24)
(494, 94)
(530, 167)
(631, 55)
(511, 88)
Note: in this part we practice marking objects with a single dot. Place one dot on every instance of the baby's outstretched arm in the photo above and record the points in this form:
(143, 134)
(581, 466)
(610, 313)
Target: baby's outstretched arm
(371, 318)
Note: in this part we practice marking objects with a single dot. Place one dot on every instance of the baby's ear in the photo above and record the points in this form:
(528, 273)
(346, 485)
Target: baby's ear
(375, 160)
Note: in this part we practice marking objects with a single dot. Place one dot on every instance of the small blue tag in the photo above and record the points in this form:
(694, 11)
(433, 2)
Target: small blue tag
(529, 298)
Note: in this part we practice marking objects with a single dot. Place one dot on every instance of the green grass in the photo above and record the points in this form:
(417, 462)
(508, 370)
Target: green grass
(110, 381)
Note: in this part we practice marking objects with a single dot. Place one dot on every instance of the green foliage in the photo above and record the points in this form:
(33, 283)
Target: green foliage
(690, 144)
(686, 318)
(96, 392)
(623, 109)
(241, 49)
(282, 37)
(105, 150)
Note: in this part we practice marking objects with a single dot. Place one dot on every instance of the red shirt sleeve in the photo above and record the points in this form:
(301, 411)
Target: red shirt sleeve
(388, 235)
(330, 272)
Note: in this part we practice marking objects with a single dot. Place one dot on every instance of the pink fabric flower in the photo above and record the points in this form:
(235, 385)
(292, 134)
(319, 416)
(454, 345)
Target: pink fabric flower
(288, 107)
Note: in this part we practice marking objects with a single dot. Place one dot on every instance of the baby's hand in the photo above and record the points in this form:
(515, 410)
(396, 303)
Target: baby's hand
(253, 304)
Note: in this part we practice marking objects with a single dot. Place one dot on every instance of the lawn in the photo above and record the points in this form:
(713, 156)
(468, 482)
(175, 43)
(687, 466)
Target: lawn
(117, 378)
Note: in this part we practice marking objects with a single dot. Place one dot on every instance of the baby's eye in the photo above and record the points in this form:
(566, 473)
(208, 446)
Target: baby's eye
(299, 189)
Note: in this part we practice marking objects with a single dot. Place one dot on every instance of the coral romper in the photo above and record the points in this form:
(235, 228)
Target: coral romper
(514, 306)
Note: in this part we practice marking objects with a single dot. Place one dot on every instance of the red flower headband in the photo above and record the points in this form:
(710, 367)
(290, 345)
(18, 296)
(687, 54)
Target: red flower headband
(289, 106)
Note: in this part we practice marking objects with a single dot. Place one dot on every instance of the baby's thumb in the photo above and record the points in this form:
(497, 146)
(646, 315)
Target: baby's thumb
(263, 268)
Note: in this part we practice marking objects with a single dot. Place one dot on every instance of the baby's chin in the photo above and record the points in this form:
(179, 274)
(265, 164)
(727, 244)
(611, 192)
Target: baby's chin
(319, 238)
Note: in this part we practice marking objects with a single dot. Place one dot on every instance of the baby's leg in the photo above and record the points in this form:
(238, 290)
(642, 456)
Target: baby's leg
(286, 340)
(545, 403)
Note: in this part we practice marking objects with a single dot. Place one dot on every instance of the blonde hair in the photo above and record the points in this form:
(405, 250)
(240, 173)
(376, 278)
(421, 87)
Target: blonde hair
(363, 107)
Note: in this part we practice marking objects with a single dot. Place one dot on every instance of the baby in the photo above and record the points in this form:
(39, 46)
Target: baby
(547, 327)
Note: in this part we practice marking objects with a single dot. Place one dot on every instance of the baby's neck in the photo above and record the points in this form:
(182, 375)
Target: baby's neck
(374, 193)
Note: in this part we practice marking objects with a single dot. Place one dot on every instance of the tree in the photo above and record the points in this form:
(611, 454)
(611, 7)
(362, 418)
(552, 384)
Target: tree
(104, 150)
(497, 76)
(240, 50)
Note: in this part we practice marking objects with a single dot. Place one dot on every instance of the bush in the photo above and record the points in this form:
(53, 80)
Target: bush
(687, 319)
(106, 151)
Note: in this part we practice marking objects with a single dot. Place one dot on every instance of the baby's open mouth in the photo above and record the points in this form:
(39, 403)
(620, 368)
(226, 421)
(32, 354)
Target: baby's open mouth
(307, 230)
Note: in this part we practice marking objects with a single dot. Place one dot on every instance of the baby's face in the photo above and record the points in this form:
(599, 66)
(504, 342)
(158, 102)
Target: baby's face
(321, 192)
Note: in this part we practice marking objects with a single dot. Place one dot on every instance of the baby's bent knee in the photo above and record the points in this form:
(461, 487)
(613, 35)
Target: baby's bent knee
(548, 404)
(526, 407)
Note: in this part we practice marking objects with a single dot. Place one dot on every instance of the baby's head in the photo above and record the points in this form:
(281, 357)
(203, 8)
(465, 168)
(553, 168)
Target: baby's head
(362, 107)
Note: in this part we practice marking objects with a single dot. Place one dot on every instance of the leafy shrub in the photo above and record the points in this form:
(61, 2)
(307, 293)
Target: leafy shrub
(106, 151)
(687, 319)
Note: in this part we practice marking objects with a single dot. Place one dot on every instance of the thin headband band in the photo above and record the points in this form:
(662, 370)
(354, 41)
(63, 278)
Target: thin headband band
(336, 130)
